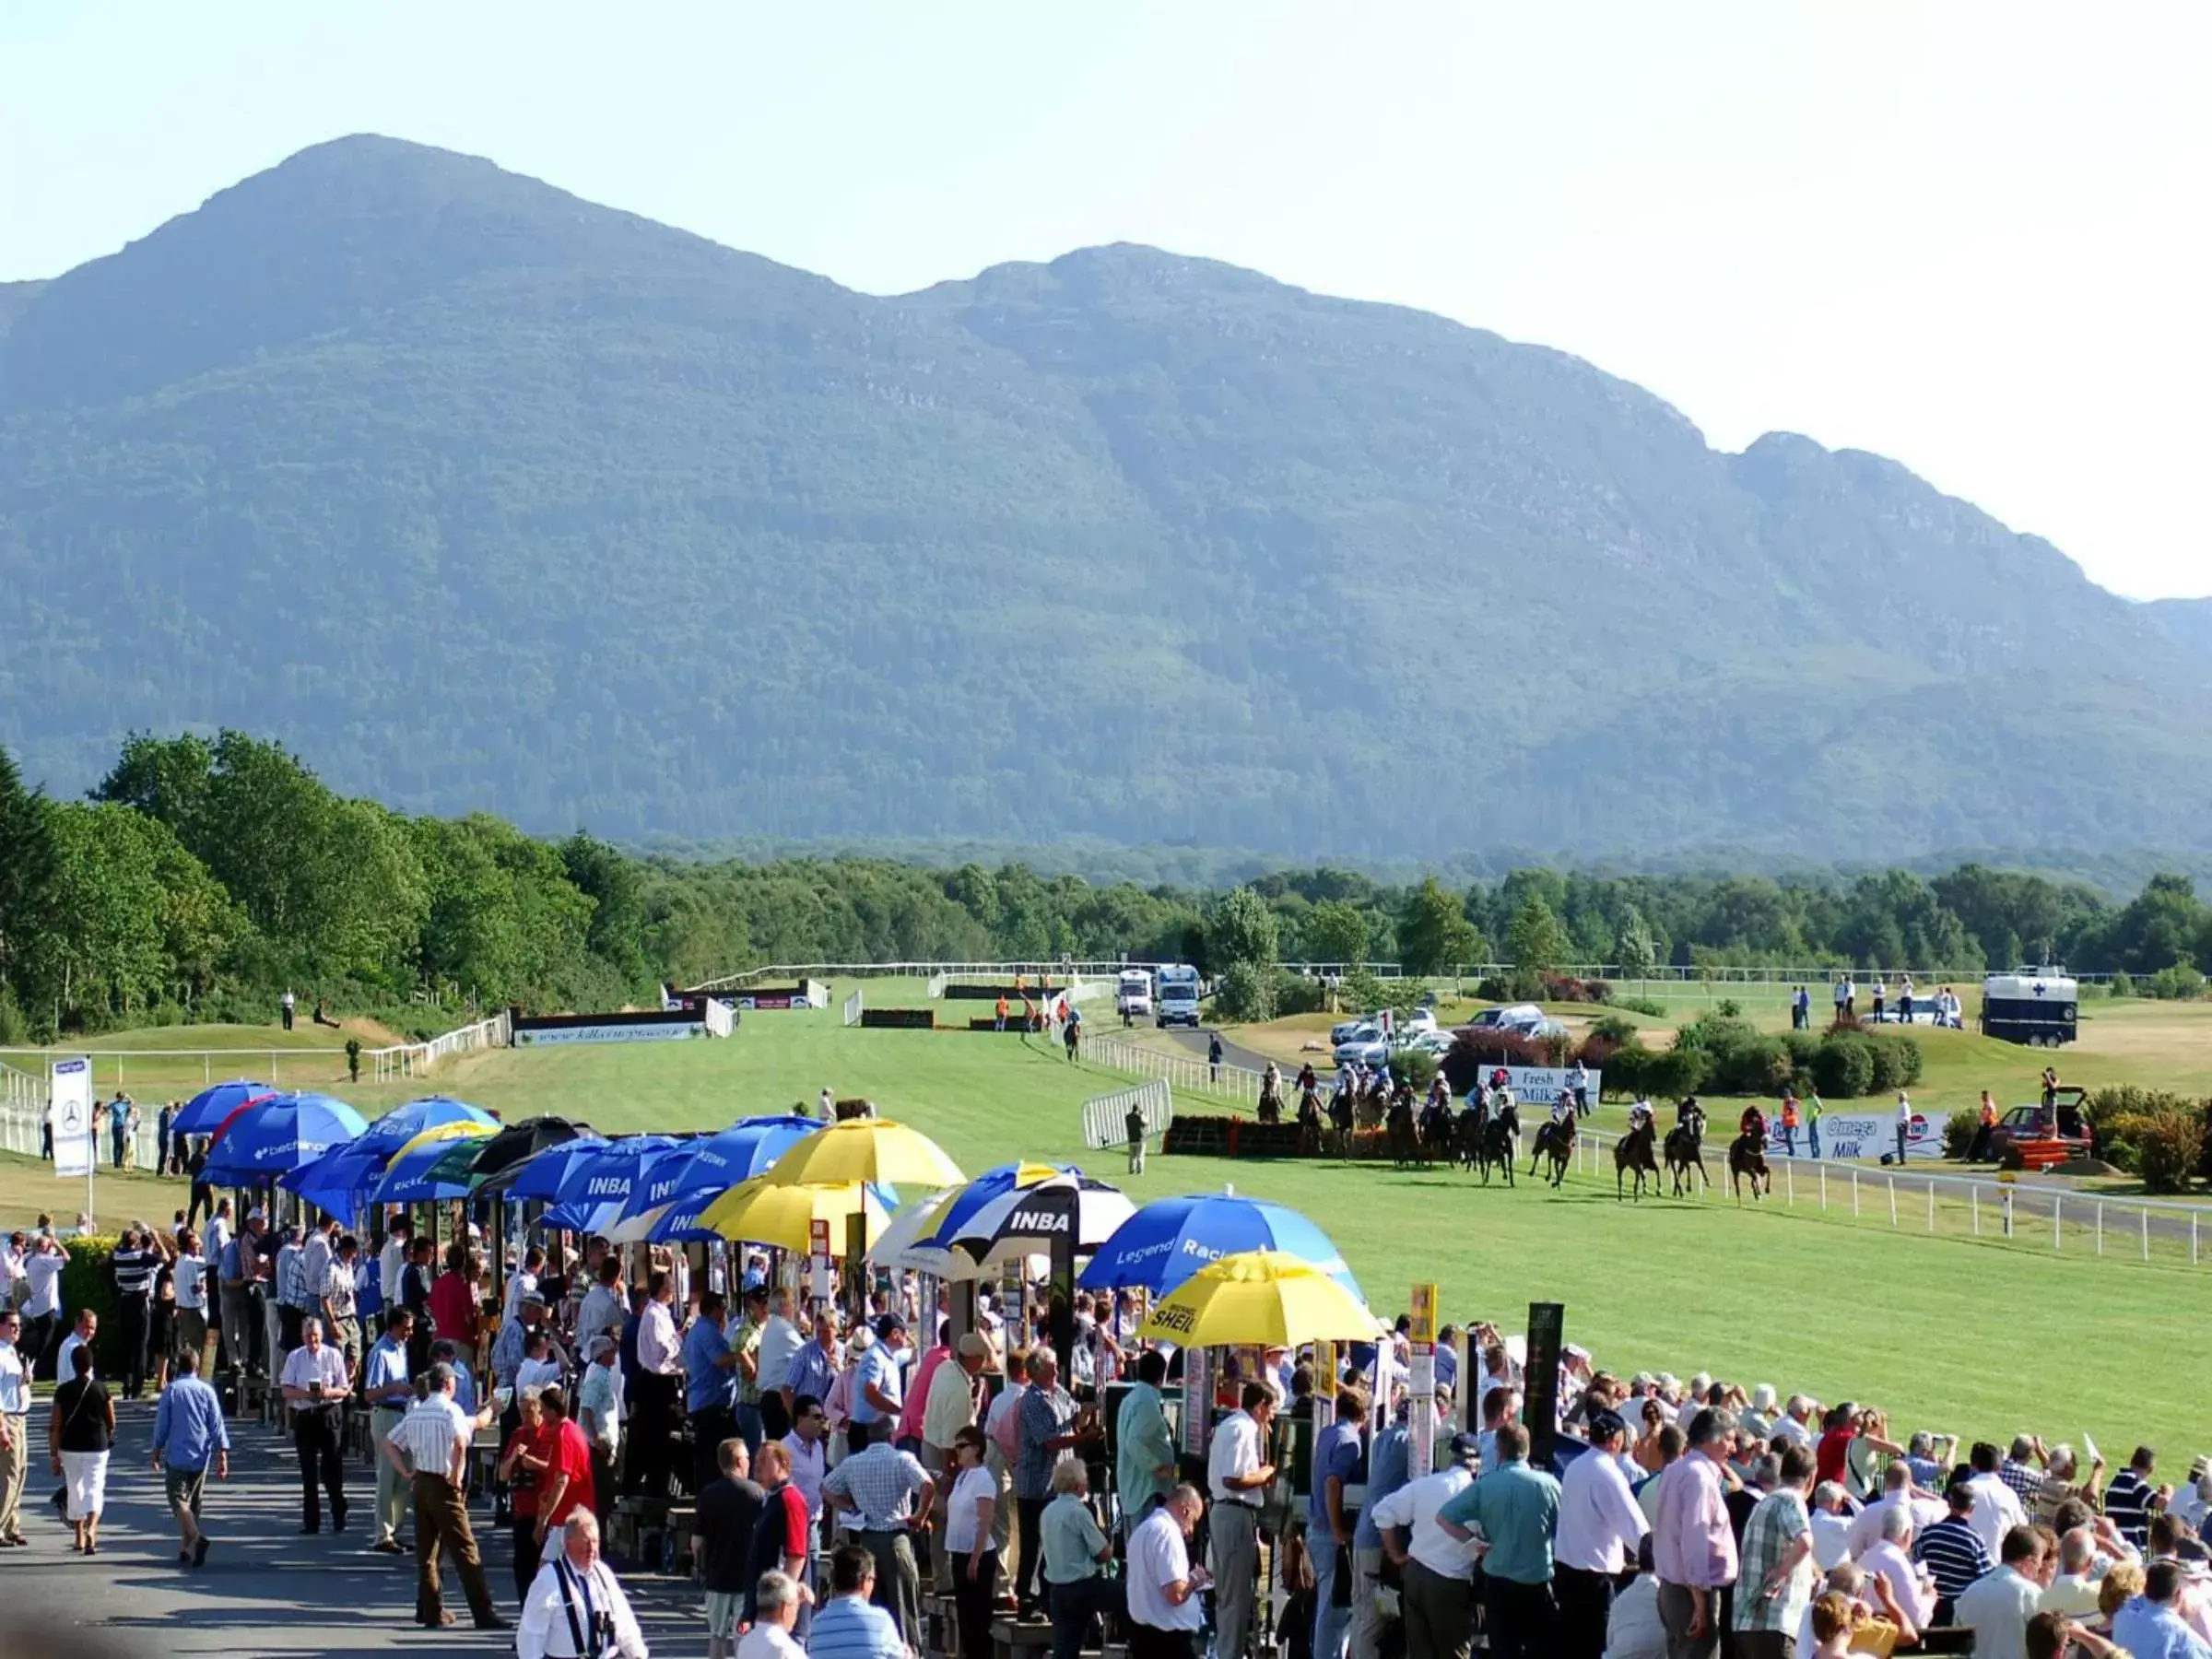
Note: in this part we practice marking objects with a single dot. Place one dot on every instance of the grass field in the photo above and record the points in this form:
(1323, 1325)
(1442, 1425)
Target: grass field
(1948, 1331)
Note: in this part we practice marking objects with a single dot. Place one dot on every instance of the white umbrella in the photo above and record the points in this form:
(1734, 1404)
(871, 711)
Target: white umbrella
(1026, 1221)
(909, 1227)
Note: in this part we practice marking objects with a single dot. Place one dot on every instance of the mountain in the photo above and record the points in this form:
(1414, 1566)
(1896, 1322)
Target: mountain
(2187, 622)
(480, 495)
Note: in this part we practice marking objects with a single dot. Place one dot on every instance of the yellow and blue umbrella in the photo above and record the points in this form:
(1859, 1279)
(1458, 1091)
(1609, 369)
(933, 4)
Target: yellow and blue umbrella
(1259, 1299)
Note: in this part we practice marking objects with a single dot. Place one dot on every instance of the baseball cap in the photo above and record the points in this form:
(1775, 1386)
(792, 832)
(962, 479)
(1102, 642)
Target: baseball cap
(1466, 1447)
(890, 1323)
(1603, 1425)
(973, 1347)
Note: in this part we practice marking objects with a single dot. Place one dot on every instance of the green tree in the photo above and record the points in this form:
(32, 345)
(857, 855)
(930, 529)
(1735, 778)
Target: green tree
(27, 867)
(1634, 949)
(1242, 929)
(1433, 930)
(1334, 932)
(100, 949)
(611, 882)
(165, 778)
(1536, 941)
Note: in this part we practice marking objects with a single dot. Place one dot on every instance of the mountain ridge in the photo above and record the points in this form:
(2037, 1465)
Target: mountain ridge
(523, 502)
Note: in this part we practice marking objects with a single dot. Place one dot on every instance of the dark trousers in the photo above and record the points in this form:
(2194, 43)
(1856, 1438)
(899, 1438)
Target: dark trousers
(1029, 1565)
(971, 1602)
(652, 1425)
(39, 1337)
(134, 1310)
(710, 1427)
(524, 1530)
(603, 1487)
(748, 1421)
(1439, 1614)
(1148, 1641)
(316, 1434)
(1516, 1617)
(441, 1525)
(1585, 1605)
(203, 1199)
(1074, 1607)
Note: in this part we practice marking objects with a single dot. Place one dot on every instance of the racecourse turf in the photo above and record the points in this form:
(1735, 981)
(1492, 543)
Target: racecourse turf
(1948, 1330)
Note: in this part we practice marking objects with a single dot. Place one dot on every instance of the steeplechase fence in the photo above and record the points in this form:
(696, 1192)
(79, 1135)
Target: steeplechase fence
(854, 1005)
(1106, 1116)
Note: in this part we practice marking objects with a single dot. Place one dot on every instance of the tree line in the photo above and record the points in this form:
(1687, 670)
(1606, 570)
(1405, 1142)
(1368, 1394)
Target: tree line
(203, 875)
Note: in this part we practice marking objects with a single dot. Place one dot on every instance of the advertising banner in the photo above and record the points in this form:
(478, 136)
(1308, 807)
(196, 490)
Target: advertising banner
(71, 1085)
(1849, 1135)
(1539, 1085)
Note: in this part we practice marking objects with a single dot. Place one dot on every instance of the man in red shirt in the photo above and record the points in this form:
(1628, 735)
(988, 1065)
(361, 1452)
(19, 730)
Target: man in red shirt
(523, 1466)
(566, 1486)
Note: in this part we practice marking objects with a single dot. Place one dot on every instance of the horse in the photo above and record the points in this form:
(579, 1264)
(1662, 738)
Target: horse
(1436, 1131)
(1747, 1156)
(1685, 1151)
(1466, 1135)
(1633, 1151)
(1554, 1140)
(1500, 1144)
(1405, 1145)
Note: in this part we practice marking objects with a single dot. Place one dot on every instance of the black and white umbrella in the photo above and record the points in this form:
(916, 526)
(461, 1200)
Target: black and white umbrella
(1027, 1221)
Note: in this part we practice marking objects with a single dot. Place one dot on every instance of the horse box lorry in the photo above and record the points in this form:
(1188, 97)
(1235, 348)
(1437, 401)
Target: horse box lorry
(1175, 1002)
(2034, 1005)
(1133, 994)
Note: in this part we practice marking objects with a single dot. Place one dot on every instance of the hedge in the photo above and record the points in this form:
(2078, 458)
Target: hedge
(88, 1281)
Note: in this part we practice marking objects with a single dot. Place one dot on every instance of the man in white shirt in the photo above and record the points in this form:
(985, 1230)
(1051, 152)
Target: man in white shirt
(42, 1309)
(1439, 1570)
(522, 1281)
(86, 1328)
(780, 1341)
(1913, 1590)
(1897, 1489)
(660, 1391)
(1165, 1614)
(1599, 1528)
(1238, 1474)
(1832, 1520)
(316, 1380)
(1794, 1424)
(14, 1429)
(1996, 1506)
(391, 1261)
(575, 1608)
(776, 1607)
(1999, 1605)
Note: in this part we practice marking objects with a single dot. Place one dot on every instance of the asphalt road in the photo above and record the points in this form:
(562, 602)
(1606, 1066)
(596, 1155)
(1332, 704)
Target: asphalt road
(267, 1592)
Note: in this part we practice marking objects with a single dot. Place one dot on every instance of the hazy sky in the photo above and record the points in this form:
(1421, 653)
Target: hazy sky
(1969, 235)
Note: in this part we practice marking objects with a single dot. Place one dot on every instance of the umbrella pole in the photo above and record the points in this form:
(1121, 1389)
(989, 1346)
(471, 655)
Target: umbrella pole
(1060, 1304)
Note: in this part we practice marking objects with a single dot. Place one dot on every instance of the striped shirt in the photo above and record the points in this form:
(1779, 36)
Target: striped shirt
(135, 1271)
(2127, 1507)
(430, 1431)
(851, 1627)
(1954, 1555)
(882, 1482)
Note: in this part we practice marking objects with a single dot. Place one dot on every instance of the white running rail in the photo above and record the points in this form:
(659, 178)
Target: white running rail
(413, 1059)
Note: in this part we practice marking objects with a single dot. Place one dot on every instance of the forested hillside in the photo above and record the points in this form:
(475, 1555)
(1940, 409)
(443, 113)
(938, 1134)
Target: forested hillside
(203, 876)
(487, 497)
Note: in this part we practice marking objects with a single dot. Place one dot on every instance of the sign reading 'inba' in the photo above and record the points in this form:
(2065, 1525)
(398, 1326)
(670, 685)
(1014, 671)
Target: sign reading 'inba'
(1037, 1221)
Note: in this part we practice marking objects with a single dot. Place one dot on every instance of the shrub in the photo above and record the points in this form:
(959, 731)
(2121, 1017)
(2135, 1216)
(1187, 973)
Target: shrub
(1563, 987)
(1474, 1052)
(1959, 1133)
(1843, 1065)
(2181, 983)
(1622, 1076)
(1297, 994)
(1245, 993)
(2129, 1120)
(15, 1030)
(2123, 984)
(1642, 1004)
(88, 1281)
(2170, 1148)
(1728, 1008)
(1523, 985)
(1674, 1073)
(1716, 1033)
(1360, 992)
(1614, 1029)
(1896, 1061)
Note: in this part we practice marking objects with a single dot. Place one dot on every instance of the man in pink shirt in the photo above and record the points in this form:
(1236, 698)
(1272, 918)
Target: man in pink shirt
(917, 1388)
(1693, 1549)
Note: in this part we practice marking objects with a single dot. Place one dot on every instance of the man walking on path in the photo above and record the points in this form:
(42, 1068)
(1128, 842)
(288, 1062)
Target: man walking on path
(14, 1429)
(188, 1435)
(389, 1394)
(436, 1434)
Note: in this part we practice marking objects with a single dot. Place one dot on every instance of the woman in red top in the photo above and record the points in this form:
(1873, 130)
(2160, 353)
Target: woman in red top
(453, 1301)
(566, 1486)
(523, 1466)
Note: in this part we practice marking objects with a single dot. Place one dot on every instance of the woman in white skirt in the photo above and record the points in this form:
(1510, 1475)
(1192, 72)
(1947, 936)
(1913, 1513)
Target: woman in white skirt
(79, 1435)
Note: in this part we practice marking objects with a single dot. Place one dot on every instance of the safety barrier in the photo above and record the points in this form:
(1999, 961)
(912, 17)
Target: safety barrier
(1189, 1072)
(1106, 1116)
(413, 1059)
(854, 1005)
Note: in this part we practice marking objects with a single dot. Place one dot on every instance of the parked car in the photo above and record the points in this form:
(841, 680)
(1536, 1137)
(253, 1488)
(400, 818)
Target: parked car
(1365, 1045)
(2035, 1137)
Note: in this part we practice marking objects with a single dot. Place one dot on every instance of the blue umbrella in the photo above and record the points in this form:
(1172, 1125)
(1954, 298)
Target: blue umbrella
(541, 1175)
(205, 1112)
(268, 1137)
(1171, 1239)
(408, 1179)
(746, 1149)
(339, 1180)
(599, 1183)
(993, 1184)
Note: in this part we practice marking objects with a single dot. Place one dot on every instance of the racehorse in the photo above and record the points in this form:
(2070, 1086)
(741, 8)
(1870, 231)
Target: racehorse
(1747, 1158)
(1500, 1144)
(1405, 1144)
(1555, 1140)
(1685, 1151)
(1633, 1151)
(1468, 1132)
(1436, 1131)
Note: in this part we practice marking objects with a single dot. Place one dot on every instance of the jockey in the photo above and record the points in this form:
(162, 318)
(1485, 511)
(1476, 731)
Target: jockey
(1563, 1107)
(1639, 1115)
(1753, 1123)
(1689, 1111)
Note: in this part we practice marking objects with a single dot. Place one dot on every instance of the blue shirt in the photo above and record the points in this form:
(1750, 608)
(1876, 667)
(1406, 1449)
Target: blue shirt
(1335, 1452)
(811, 1371)
(387, 1368)
(188, 1424)
(369, 1292)
(2149, 1632)
(1518, 1509)
(706, 1386)
(465, 1387)
(1385, 1474)
(851, 1627)
(878, 1366)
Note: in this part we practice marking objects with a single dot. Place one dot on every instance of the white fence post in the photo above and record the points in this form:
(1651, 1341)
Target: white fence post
(2056, 1242)
(2100, 1227)
(1893, 1201)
